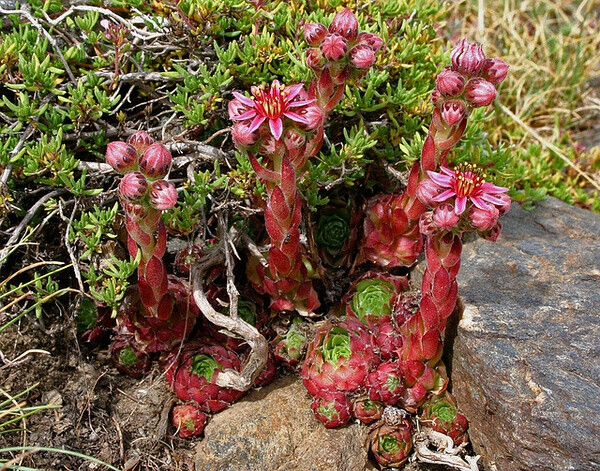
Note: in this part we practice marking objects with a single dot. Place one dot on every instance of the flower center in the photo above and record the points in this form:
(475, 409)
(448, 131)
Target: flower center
(270, 103)
(468, 180)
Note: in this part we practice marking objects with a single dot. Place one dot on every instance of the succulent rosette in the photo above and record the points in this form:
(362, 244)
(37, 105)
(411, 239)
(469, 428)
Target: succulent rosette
(192, 374)
(372, 298)
(390, 237)
(391, 444)
(290, 347)
(188, 420)
(332, 409)
(127, 357)
(385, 384)
(339, 358)
(442, 415)
(336, 233)
(366, 410)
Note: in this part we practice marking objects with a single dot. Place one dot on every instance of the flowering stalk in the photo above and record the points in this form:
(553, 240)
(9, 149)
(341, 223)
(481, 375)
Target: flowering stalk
(391, 232)
(144, 194)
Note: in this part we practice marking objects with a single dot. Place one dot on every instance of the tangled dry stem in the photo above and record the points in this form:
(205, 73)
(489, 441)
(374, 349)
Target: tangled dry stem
(445, 452)
(232, 323)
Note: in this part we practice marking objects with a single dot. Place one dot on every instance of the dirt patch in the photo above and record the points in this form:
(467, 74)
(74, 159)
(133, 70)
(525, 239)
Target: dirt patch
(100, 413)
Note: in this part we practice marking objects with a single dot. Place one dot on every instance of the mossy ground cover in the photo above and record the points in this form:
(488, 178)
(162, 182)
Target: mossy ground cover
(75, 76)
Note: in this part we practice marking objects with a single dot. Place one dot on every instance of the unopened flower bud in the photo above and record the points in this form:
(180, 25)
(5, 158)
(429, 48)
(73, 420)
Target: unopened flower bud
(314, 33)
(491, 234)
(136, 211)
(426, 224)
(313, 116)
(155, 161)
(362, 56)
(236, 108)
(163, 195)
(241, 134)
(334, 47)
(121, 156)
(371, 40)
(345, 24)
(449, 82)
(133, 186)
(436, 97)
(293, 139)
(427, 190)
(467, 58)
(445, 218)
(494, 70)
(483, 219)
(315, 59)
(141, 140)
(453, 112)
(480, 92)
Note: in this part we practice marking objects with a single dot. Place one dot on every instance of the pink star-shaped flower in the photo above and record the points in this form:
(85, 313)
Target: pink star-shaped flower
(273, 104)
(466, 183)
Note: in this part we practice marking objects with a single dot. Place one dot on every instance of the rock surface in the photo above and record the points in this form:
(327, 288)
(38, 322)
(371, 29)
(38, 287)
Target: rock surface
(526, 358)
(279, 434)
(273, 429)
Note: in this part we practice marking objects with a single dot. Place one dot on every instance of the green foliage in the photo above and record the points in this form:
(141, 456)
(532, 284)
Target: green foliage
(91, 227)
(109, 286)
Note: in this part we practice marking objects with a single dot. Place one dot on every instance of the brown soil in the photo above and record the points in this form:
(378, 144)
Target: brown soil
(102, 413)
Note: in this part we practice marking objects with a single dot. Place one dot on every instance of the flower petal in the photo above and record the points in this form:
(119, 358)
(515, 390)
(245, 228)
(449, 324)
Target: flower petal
(296, 117)
(492, 199)
(440, 179)
(293, 90)
(246, 115)
(447, 171)
(460, 205)
(478, 201)
(493, 189)
(443, 196)
(276, 127)
(244, 99)
(256, 123)
(297, 103)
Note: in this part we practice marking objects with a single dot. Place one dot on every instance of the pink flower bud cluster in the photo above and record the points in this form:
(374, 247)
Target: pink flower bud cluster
(337, 54)
(470, 82)
(144, 164)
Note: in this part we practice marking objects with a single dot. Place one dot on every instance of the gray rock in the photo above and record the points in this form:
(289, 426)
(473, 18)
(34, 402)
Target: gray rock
(274, 429)
(525, 365)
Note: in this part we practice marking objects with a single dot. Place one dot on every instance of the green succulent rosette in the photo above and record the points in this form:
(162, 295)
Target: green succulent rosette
(441, 414)
(332, 236)
(372, 298)
(339, 358)
(391, 444)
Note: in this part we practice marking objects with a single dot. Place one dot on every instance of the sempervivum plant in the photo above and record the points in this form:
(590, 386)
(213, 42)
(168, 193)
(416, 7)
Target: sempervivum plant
(332, 408)
(289, 347)
(367, 410)
(192, 374)
(128, 358)
(390, 237)
(391, 440)
(373, 297)
(336, 233)
(188, 420)
(385, 383)
(442, 415)
(339, 358)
